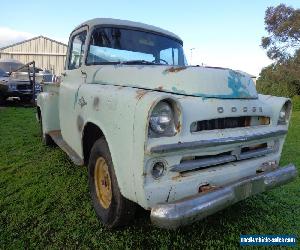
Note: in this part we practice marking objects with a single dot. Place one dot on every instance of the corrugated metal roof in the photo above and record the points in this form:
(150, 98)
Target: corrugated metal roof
(31, 39)
(119, 22)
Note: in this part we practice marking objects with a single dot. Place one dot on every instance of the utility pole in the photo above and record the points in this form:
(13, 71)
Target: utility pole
(191, 55)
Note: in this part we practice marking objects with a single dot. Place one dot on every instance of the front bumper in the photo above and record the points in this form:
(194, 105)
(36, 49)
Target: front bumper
(188, 210)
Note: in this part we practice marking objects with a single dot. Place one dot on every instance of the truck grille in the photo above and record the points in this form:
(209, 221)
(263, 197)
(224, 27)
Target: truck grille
(194, 163)
(229, 122)
(23, 86)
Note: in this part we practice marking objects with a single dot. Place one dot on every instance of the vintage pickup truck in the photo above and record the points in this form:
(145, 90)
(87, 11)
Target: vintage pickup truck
(181, 141)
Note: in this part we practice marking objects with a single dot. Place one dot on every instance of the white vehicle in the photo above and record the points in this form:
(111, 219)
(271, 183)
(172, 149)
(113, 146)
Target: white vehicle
(181, 141)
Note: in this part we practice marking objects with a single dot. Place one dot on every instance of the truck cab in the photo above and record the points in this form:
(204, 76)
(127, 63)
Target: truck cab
(181, 141)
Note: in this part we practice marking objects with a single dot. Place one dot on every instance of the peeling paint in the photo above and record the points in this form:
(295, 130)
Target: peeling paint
(236, 85)
(96, 103)
(140, 93)
(174, 69)
(82, 102)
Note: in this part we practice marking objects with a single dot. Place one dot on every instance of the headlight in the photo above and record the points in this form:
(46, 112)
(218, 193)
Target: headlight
(284, 114)
(162, 120)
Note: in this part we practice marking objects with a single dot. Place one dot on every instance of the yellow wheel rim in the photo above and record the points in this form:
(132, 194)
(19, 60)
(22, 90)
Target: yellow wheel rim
(103, 182)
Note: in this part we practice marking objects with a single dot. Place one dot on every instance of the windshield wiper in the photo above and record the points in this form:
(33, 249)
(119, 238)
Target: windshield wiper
(138, 62)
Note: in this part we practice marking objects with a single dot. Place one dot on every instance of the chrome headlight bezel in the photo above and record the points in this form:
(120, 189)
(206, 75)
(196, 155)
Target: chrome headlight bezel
(164, 119)
(285, 113)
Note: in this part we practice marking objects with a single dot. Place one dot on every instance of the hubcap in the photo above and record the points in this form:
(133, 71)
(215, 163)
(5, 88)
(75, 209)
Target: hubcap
(103, 183)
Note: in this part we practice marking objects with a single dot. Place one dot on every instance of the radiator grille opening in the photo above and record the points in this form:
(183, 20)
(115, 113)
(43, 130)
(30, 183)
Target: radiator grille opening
(229, 122)
(195, 163)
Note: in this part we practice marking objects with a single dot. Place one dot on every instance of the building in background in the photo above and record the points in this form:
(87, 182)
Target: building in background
(47, 53)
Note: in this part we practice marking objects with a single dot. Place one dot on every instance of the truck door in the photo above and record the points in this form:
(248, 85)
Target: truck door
(72, 79)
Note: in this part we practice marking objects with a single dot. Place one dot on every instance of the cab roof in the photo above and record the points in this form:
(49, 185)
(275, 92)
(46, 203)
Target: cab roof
(126, 23)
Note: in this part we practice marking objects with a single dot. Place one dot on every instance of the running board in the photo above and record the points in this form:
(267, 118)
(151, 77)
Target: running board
(57, 138)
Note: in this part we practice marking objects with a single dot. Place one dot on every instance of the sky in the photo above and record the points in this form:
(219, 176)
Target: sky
(215, 33)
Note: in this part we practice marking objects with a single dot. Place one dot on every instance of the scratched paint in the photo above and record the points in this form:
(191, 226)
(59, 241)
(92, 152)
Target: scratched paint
(193, 81)
(239, 90)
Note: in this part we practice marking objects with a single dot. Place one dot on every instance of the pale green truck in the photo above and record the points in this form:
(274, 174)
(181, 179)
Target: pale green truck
(181, 141)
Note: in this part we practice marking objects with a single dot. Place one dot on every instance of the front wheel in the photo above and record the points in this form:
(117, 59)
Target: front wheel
(111, 207)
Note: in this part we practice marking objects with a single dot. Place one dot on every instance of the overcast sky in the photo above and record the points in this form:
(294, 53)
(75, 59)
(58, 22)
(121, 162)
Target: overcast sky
(221, 33)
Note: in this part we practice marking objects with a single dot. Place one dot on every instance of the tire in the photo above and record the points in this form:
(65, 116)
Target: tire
(46, 139)
(111, 207)
(2, 100)
(25, 99)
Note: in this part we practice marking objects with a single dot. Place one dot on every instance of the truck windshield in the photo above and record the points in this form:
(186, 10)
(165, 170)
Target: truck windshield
(120, 45)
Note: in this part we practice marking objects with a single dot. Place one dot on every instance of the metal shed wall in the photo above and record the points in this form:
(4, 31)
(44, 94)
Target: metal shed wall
(47, 53)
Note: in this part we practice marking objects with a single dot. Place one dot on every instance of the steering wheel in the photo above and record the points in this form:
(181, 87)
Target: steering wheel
(161, 60)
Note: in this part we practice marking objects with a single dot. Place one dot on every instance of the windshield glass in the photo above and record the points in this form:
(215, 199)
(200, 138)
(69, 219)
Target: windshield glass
(119, 45)
(10, 66)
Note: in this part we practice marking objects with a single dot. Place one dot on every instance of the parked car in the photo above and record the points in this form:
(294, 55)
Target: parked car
(183, 142)
(3, 87)
(19, 84)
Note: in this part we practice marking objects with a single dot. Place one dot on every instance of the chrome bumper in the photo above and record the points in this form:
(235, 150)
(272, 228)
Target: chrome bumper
(186, 211)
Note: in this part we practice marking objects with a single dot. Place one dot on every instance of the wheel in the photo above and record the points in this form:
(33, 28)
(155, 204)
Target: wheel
(46, 139)
(111, 207)
(2, 100)
(26, 99)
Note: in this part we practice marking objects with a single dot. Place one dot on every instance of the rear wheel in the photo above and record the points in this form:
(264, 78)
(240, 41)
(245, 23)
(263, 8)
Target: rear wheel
(111, 207)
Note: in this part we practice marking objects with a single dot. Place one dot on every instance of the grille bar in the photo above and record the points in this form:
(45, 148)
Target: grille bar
(226, 122)
(218, 160)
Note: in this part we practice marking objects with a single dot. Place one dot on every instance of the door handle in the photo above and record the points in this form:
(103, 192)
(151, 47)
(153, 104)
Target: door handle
(64, 74)
(84, 74)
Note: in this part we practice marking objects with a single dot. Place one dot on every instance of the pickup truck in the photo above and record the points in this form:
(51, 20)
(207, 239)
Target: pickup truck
(181, 141)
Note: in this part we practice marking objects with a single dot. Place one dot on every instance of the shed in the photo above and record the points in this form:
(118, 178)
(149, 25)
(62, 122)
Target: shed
(47, 53)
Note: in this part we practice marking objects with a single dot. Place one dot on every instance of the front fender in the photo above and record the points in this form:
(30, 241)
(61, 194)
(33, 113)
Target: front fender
(48, 105)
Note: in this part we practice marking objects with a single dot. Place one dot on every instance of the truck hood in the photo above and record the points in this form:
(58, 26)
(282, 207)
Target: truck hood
(194, 81)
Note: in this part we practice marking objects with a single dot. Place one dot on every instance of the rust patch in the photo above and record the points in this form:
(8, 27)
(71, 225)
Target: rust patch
(206, 188)
(178, 126)
(160, 88)
(96, 103)
(175, 69)
(140, 93)
(80, 123)
(177, 177)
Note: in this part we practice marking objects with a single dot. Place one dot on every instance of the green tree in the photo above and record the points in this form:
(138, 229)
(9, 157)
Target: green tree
(283, 26)
(282, 78)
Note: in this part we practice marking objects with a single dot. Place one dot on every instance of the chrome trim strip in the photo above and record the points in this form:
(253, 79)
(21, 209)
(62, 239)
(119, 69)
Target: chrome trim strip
(196, 164)
(214, 142)
(186, 211)
(207, 162)
(256, 153)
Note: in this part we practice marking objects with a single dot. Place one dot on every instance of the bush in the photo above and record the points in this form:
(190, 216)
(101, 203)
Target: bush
(276, 89)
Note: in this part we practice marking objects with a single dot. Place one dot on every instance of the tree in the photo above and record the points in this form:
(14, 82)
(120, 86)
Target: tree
(282, 78)
(283, 26)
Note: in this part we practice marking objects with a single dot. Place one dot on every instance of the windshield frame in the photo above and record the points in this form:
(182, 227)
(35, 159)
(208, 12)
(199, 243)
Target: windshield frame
(132, 28)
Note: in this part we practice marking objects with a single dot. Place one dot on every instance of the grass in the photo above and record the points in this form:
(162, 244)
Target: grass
(44, 201)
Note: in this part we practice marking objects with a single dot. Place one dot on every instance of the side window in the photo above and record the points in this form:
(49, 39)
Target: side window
(169, 55)
(77, 50)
